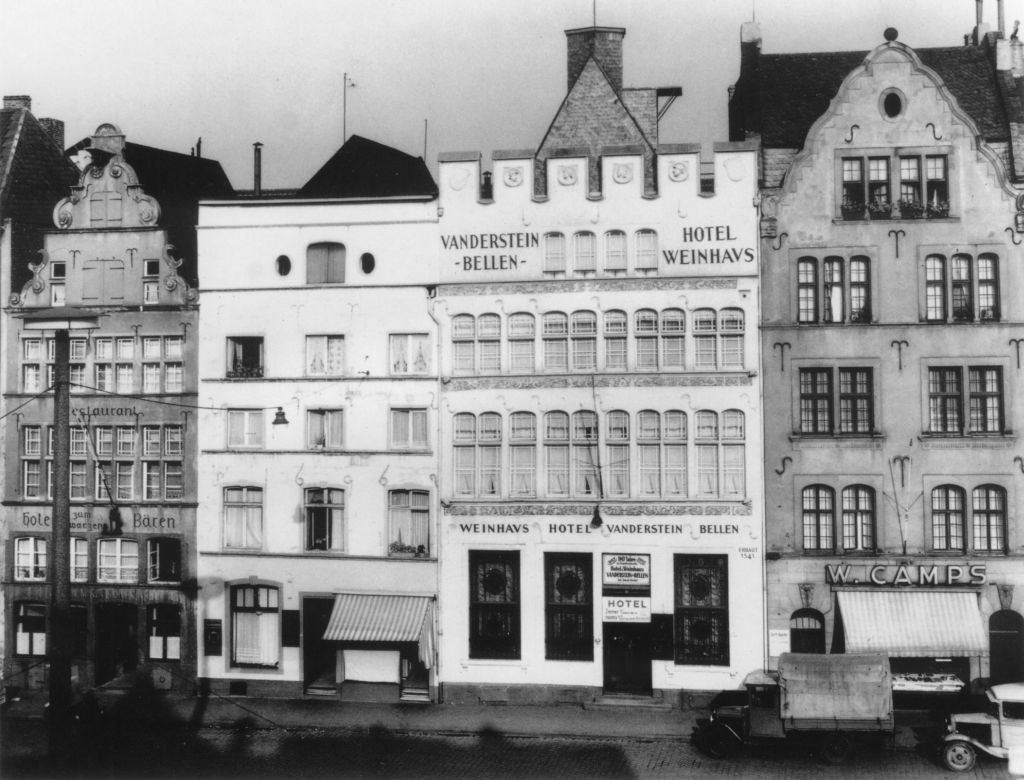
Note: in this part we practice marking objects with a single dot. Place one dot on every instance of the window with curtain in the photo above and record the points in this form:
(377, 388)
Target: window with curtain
(409, 429)
(617, 447)
(117, 560)
(521, 341)
(325, 429)
(409, 523)
(325, 355)
(556, 453)
(324, 514)
(523, 454)
(325, 263)
(243, 517)
(255, 626)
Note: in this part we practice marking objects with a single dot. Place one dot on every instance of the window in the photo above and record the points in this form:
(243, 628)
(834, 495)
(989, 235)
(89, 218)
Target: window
(409, 429)
(464, 344)
(646, 322)
(922, 182)
(245, 428)
(476, 343)
(961, 288)
(585, 474)
(673, 326)
(556, 453)
(162, 474)
(117, 560)
(30, 559)
(255, 625)
(615, 325)
(852, 406)
(325, 429)
(409, 523)
(556, 342)
(721, 454)
(818, 517)
(984, 400)
(583, 334)
(985, 396)
(646, 250)
(31, 465)
(243, 517)
(569, 611)
(163, 627)
(523, 454)
(989, 515)
(325, 355)
(245, 357)
(858, 519)
(30, 629)
(661, 449)
(615, 250)
(554, 252)
(702, 610)
(151, 281)
(856, 402)
(324, 511)
(163, 557)
(521, 340)
(948, 518)
(409, 352)
(584, 252)
(79, 559)
(325, 263)
(842, 292)
(477, 454)
(494, 604)
(617, 437)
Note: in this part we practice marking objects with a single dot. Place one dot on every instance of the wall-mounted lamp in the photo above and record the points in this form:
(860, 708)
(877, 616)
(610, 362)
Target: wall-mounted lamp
(279, 418)
(596, 521)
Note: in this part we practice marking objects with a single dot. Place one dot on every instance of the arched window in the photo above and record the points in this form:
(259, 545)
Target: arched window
(860, 289)
(554, 252)
(948, 518)
(705, 346)
(617, 468)
(584, 251)
(859, 518)
(646, 329)
(818, 517)
(673, 326)
(615, 332)
(556, 453)
(963, 288)
(646, 250)
(583, 331)
(463, 343)
(523, 454)
(556, 341)
(833, 290)
(807, 289)
(478, 454)
(989, 518)
(731, 325)
(734, 454)
(325, 263)
(585, 475)
(807, 631)
(615, 250)
(988, 287)
(521, 339)
(706, 444)
(935, 287)
(1006, 647)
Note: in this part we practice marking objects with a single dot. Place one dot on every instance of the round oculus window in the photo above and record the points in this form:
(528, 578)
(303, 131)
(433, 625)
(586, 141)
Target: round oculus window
(892, 103)
(368, 262)
(284, 265)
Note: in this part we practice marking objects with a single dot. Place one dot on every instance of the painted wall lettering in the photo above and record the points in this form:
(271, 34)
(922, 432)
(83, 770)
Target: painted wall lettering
(700, 255)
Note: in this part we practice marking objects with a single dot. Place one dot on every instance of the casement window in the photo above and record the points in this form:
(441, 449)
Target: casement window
(325, 355)
(163, 629)
(117, 560)
(324, 513)
(464, 344)
(919, 181)
(30, 559)
(477, 454)
(255, 626)
(476, 343)
(163, 560)
(523, 454)
(701, 610)
(584, 245)
(615, 335)
(586, 477)
(151, 375)
(409, 429)
(818, 505)
(124, 348)
(569, 610)
(29, 629)
(494, 605)
(961, 288)
(31, 378)
(554, 252)
(325, 263)
(325, 429)
(125, 437)
(721, 454)
(124, 377)
(646, 243)
(243, 518)
(988, 508)
(162, 471)
(521, 342)
(245, 428)
(556, 453)
(615, 250)
(948, 518)
(983, 400)
(408, 523)
(555, 334)
(245, 357)
(31, 464)
(673, 326)
(409, 353)
(583, 337)
(834, 290)
(151, 282)
(661, 451)
(821, 406)
(617, 449)
(79, 559)
(646, 333)
(79, 489)
(858, 519)
(115, 481)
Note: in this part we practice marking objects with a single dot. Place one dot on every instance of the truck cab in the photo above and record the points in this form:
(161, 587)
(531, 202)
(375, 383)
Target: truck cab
(999, 731)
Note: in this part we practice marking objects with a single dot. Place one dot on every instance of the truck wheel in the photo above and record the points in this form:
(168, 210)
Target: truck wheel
(958, 756)
(718, 742)
(834, 748)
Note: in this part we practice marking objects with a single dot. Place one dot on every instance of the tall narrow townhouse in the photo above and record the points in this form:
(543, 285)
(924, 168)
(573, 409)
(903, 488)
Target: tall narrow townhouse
(601, 527)
(318, 434)
(892, 219)
(133, 431)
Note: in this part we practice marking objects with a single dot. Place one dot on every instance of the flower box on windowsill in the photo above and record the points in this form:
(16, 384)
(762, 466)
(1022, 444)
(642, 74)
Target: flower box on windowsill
(852, 211)
(879, 211)
(911, 209)
(399, 550)
(937, 211)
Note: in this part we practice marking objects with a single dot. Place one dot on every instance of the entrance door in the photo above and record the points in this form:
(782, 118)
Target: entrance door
(627, 658)
(1006, 646)
(117, 643)
(318, 656)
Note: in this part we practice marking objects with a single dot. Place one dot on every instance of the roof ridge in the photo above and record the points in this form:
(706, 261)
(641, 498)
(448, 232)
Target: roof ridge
(9, 162)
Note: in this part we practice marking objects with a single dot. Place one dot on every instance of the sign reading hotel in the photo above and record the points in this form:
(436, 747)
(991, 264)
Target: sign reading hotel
(919, 575)
(626, 609)
(624, 570)
(39, 518)
(708, 245)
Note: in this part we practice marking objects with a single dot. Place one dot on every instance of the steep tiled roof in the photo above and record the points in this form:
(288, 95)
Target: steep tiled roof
(362, 168)
(780, 96)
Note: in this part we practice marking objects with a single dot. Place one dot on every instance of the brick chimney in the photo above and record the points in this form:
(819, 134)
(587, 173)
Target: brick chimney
(604, 43)
(18, 101)
(55, 129)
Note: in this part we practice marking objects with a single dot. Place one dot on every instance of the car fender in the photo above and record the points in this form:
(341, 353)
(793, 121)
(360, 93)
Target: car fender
(956, 736)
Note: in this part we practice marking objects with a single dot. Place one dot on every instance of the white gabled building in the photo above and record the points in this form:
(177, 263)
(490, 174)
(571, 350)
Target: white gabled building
(317, 539)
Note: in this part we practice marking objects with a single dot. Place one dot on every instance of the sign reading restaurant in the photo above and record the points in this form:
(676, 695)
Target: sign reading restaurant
(906, 574)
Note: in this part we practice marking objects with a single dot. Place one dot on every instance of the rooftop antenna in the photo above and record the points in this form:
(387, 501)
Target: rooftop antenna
(594, 6)
(346, 83)
(424, 138)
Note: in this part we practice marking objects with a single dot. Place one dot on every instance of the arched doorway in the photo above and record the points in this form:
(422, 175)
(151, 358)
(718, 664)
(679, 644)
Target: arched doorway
(807, 631)
(1006, 646)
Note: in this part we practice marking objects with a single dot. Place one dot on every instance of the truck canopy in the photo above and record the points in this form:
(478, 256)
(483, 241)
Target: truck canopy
(837, 688)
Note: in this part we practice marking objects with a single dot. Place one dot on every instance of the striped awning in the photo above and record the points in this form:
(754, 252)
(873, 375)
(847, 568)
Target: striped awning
(913, 623)
(367, 617)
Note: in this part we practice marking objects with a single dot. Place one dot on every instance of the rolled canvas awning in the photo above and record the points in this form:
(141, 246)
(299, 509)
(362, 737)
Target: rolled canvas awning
(912, 623)
(367, 617)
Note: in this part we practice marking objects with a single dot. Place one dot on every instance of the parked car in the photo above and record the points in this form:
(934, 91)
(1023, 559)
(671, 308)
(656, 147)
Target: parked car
(997, 731)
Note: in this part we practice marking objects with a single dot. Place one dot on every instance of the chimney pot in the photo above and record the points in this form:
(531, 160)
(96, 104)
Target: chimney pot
(18, 101)
(750, 32)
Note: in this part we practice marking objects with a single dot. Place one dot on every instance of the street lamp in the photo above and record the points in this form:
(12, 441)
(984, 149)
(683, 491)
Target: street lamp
(61, 321)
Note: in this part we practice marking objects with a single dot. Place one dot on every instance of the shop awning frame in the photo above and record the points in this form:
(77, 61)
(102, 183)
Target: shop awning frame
(377, 617)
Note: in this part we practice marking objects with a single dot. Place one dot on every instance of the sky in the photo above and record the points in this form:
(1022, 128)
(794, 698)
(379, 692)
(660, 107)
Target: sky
(434, 75)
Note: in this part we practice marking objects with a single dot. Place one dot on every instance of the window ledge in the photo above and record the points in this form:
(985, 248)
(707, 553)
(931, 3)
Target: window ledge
(872, 441)
(970, 441)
